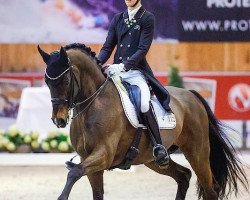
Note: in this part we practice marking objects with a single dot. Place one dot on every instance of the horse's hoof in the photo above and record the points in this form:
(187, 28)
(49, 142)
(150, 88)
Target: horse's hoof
(62, 198)
(70, 165)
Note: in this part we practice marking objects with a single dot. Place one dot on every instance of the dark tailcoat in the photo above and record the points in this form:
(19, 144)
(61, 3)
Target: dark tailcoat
(133, 41)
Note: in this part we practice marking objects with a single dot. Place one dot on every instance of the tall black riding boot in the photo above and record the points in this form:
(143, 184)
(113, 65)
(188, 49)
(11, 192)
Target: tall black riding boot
(159, 151)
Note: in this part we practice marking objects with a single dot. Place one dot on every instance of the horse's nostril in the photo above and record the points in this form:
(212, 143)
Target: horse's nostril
(59, 122)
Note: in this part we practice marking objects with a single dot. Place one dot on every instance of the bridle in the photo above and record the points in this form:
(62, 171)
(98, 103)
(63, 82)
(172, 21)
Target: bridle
(71, 102)
(73, 80)
(89, 100)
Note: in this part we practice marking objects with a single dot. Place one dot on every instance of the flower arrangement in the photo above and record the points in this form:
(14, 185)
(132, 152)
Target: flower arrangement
(58, 142)
(16, 141)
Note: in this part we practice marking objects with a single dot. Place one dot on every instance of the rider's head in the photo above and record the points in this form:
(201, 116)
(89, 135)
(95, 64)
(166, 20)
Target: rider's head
(132, 4)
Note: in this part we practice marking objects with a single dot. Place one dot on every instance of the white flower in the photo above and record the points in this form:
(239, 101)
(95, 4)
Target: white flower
(34, 145)
(53, 144)
(35, 135)
(13, 131)
(45, 146)
(63, 147)
(23, 133)
(11, 146)
(27, 139)
(52, 134)
(5, 141)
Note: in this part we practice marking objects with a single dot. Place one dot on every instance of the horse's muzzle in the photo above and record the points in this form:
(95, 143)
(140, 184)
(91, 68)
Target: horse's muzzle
(60, 116)
(59, 122)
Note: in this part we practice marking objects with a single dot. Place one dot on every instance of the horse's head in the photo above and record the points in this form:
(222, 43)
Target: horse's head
(62, 83)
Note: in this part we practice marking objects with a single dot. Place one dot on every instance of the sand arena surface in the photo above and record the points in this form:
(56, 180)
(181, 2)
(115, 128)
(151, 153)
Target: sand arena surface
(46, 183)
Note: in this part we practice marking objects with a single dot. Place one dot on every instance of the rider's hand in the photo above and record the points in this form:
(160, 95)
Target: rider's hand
(114, 69)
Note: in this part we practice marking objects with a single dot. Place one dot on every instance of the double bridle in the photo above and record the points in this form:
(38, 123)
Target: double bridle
(70, 101)
(72, 104)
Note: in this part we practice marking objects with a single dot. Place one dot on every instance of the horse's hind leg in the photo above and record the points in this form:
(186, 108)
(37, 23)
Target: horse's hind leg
(179, 173)
(96, 182)
(73, 175)
(199, 160)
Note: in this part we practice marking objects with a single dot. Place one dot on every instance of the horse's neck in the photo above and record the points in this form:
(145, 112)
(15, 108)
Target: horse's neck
(91, 77)
(89, 85)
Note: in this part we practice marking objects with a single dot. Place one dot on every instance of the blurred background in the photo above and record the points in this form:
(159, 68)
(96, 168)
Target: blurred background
(200, 45)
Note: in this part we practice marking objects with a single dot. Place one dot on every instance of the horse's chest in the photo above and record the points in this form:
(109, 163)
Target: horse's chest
(82, 139)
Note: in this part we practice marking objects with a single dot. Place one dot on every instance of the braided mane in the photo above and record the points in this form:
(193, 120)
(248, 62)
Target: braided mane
(85, 49)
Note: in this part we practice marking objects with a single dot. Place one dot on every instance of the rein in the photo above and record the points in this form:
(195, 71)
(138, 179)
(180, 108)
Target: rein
(90, 99)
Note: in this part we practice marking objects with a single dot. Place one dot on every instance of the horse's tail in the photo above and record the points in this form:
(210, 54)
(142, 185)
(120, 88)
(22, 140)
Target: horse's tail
(225, 166)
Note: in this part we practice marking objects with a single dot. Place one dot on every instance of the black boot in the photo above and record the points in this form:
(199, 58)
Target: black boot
(159, 151)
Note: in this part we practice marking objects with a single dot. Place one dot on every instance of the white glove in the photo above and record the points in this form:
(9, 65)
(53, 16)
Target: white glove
(114, 69)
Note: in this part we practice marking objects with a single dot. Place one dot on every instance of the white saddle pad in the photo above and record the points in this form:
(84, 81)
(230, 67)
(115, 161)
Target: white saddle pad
(165, 120)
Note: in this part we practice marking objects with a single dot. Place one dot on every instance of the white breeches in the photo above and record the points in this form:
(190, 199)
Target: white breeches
(135, 77)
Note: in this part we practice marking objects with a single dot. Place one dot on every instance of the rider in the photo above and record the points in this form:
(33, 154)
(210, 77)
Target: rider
(132, 32)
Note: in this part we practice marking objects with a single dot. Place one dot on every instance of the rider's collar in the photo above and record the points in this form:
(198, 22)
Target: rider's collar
(132, 13)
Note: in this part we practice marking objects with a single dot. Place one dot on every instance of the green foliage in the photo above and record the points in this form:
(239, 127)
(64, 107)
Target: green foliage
(57, 142)
(174, 78)
(12, 139)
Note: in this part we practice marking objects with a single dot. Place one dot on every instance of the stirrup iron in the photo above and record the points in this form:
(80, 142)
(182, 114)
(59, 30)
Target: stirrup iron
(163, 161)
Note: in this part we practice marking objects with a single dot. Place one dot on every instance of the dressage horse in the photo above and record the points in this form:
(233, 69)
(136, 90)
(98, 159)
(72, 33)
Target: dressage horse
(101, 134)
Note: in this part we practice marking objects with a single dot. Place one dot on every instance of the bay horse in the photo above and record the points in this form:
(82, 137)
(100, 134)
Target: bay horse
(101, 134)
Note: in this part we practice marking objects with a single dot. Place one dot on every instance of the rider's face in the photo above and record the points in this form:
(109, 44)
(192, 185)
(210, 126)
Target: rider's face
(130, 3)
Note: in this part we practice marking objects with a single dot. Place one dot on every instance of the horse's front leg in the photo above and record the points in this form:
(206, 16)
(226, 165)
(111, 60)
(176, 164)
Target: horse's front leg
(75, 173)
(93, 165)
(96, 181)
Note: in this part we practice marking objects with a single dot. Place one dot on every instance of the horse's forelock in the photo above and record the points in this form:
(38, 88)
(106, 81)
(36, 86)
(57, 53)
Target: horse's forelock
(56, 65)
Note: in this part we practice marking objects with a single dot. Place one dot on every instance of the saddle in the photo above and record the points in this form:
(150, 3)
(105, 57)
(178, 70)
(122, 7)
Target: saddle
(134, 94)
(131, 98)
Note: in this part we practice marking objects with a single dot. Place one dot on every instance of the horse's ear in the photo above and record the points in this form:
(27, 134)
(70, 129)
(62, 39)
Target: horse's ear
(44, 55)
(63, 55)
